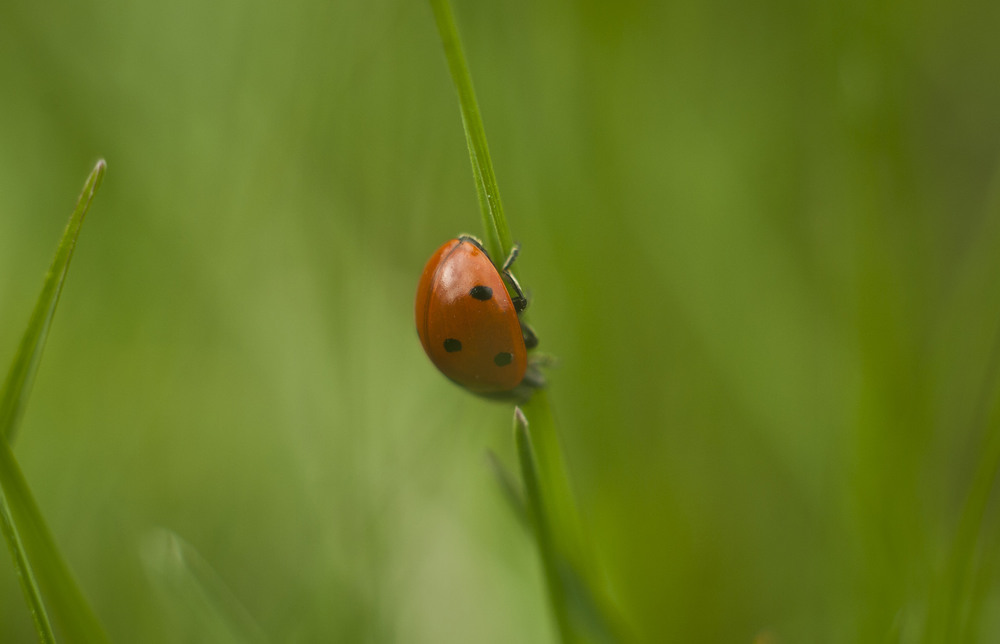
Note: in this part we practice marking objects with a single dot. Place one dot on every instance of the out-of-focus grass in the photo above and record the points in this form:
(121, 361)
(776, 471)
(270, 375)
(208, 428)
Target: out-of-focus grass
(48, 585)
(762, 241)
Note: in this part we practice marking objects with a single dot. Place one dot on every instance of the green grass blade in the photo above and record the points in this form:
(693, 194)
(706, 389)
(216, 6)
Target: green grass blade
(25, 575)
(592, 616)
(538, 515)
(954, 598)
(17, 386)
(547, 502)
(497, 239)
(43, 570)
(66, 603)
(554, 478)
(204, 605)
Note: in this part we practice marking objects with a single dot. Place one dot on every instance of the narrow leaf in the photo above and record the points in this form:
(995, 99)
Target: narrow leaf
(540, 523)
(203, 603)
(26, 576)
(67, 605)
(953, 597)
(44, 572)
(21, 376)
(498, 238)
(555, 481)
(591, 616)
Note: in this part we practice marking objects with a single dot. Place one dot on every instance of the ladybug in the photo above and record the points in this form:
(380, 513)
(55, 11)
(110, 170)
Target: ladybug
(470, 326)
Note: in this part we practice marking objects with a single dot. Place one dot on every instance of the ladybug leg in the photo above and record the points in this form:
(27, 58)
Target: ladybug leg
(533, 379)
(530, 339)
(510, 258)
(520, 302)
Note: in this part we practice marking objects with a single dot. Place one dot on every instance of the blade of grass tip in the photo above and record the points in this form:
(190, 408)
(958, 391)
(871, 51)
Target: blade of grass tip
(67, 605)
(17, 387)
(25, 575)
(188, 581)
(498, 239)
(536, 508)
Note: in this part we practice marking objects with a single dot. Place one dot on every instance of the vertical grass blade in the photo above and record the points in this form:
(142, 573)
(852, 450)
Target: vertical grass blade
(497, 239)
(591, 615)
(548, 502)
(17, 386)
(25, 575)
(67, 605)
(555, 481)
(954, 599)
(43, 572)
(538, 516)
(205, 607)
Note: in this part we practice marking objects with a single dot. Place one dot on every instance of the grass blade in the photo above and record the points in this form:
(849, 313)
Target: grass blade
(43, 571)
(567, 529)
(17, 386)
(540, 523)
(591, 614)
(67, 604)
(497, 239)
(207, 609)
(548, 503)
(954, 599)
(25, 575)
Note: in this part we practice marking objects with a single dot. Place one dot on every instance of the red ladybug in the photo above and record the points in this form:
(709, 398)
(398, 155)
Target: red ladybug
(469, 324)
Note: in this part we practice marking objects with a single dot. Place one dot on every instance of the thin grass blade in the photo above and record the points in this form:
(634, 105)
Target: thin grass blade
(66, 603)
(498, 238)
(592, 615)
(208, 611)
(538, 515)
(555, 481)
(43, 570)
(17, 386)
(954, 599)
(547, 502)
(25, 575)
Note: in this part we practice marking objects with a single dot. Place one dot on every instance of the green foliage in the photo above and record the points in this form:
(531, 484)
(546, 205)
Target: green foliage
(21, 375)
(40, 566)
(762, 240)
(497, 238)
(548, 506)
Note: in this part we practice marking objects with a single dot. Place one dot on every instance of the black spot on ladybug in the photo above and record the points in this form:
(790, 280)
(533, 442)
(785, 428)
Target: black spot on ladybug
(503, 358)
(451, 345)
(481, 293)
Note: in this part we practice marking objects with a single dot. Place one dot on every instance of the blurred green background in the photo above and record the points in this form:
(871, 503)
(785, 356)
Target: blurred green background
(762, 239)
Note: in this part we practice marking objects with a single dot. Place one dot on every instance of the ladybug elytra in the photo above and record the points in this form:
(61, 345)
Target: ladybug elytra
(469, 325)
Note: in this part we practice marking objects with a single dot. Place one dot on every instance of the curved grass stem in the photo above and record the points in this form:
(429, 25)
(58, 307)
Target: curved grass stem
(497, 238)
(17, 386)
(539, 520)
(25, 575)
(40, 565)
